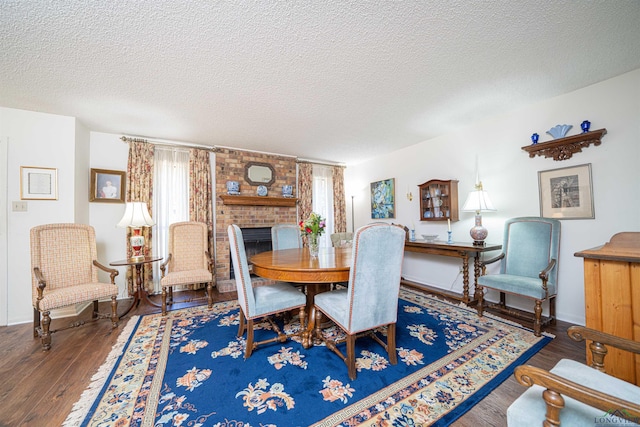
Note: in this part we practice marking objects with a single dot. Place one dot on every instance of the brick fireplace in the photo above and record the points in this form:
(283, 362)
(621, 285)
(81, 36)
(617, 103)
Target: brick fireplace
(230, 165)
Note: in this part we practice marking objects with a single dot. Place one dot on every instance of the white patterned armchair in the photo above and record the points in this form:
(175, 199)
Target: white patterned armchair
(65, 272)
(188, 262)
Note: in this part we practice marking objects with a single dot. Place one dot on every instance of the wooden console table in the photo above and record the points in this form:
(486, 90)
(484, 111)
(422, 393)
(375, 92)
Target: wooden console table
(612, 299)
(459, 250)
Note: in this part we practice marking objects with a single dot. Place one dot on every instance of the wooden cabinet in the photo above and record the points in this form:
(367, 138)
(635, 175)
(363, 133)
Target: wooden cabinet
(439, 200)
(612, 298)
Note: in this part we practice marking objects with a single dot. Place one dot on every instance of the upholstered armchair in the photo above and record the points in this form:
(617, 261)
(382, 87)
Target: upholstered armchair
(528, 267)
(65, 272)
(370, 301)
(261, 301)
(188, 262)
(573, 394)
(340, 240)
(285, 236)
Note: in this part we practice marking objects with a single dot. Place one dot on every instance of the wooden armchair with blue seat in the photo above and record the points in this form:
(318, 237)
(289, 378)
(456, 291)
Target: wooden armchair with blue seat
(529, 268)
(257, 302)
(285, 236)
(574, 394)
(370, 302)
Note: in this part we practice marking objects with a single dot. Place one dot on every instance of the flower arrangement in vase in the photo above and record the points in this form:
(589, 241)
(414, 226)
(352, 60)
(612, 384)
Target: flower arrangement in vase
(313, 227)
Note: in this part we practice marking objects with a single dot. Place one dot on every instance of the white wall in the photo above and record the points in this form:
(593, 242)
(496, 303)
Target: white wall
(40, 140)
(108, 152)
(511, 178)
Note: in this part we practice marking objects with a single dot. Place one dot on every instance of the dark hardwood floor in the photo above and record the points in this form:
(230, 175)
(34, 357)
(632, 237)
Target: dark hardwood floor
(39, 388)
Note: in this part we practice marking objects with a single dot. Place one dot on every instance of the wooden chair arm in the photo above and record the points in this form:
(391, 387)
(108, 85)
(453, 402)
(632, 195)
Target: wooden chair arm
(163, 266)
(483, 264)
(557, 386)
(112, 271)
(599, 341)
(42, 283)
(544, 274)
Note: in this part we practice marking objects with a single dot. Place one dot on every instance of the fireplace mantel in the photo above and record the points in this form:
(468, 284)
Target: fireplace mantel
(258, 200)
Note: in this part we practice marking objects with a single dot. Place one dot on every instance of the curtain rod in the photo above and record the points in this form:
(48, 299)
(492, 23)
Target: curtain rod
(319, 162)
(166, 142)
(253, 151)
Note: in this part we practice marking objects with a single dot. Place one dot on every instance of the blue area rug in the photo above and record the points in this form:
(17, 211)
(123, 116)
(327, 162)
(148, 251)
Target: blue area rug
(187, 369)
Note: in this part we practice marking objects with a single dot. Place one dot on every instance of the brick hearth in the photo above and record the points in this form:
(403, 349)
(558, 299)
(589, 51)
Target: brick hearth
(230, 166)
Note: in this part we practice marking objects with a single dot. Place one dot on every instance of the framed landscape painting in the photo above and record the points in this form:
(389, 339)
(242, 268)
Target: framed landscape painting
(383, 200)
(566, 193)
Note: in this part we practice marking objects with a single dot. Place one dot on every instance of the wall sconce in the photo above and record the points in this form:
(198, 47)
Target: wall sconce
(409, 195)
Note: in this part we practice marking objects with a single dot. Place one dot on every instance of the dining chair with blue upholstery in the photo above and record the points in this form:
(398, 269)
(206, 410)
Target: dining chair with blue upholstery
(261, 301)
(285, 236)
(370, 302)
(529, 267)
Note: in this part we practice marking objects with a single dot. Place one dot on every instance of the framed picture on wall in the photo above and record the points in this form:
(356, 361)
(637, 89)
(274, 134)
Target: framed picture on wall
(38, 183)
(383, 199)
(107, 186)
(566, 193)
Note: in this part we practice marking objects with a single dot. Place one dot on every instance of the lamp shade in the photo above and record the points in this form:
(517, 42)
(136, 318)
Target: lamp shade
(136, 214)
(478, 201)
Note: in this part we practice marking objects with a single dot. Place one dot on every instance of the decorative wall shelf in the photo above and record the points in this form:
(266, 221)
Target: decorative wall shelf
(258, 200)
(564, 148)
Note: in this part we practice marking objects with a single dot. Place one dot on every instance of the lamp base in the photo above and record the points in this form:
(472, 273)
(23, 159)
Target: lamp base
(478, 232)
(137, 244)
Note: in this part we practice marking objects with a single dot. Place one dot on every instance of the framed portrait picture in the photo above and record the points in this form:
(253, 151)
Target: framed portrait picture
(107, 186)
(38, 183)
(383, 200)
(566, 193)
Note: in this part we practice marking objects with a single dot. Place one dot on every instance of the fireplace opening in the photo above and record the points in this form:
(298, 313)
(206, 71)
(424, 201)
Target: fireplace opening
(256, 240)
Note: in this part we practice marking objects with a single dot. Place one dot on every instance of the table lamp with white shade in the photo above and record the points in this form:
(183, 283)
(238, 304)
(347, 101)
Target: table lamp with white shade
(478, 201)
(136, 215)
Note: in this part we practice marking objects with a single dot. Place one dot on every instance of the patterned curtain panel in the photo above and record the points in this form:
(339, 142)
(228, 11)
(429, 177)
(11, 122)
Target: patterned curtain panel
(339, 202)
(305, 190)
(200, 202)
(140, 189)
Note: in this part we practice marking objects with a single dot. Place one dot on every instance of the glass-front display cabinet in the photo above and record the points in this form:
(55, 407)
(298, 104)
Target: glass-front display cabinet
(439, 200)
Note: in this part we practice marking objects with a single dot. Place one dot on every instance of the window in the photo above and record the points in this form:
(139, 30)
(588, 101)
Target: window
(323, 199)
(170, 198)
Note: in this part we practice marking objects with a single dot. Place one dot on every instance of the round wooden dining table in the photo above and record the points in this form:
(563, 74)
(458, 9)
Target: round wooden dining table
(296, 266)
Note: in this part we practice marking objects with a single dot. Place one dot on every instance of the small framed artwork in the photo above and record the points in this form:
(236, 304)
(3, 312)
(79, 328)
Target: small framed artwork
(566, 193)
(107, 186)
(383, 199)
(38, 183)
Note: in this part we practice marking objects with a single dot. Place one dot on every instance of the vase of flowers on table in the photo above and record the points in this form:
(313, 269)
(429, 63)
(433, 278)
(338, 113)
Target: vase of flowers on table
(313, 227)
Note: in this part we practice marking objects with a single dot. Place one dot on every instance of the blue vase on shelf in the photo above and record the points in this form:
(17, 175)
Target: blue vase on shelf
(585, 126)
(534, 138)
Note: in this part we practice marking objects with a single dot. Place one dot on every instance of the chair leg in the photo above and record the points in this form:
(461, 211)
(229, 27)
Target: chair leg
(552, 310)
(46, 335)
(537, 311)
(170, 295)
(241, 326)
(249, 348)
(114, 311)
(94, 315)
(351, 356)
(480, 292)
(391, 344)
(503, 300)
(164, 301)
(210, 294)
(36, 323)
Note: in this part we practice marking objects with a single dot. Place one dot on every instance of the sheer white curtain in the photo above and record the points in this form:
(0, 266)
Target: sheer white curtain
(170, 197)
(323, 199)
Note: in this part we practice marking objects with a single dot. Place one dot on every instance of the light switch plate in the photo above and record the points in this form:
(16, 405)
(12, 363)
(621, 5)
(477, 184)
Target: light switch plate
(19, 206)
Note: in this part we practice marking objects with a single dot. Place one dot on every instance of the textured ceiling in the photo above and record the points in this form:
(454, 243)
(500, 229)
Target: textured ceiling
(328, 80)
